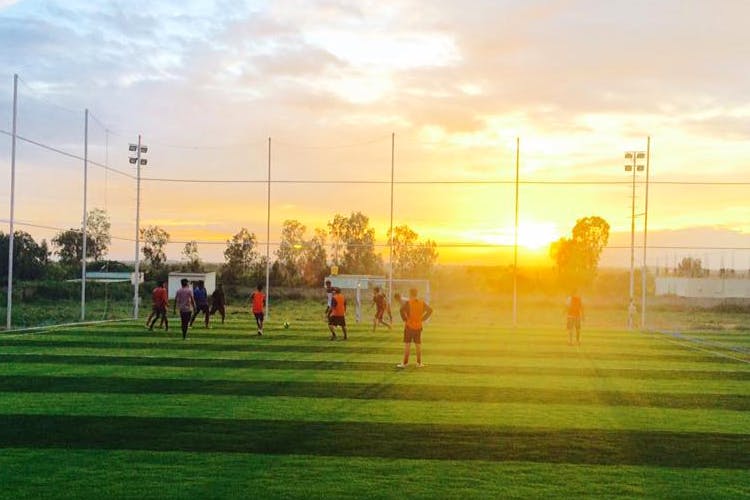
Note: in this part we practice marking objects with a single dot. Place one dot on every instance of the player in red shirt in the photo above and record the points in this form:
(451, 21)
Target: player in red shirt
(258, 301)
(381, 307)
(160, 301)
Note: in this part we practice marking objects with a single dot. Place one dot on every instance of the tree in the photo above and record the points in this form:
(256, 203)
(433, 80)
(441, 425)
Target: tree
(290, 251)
(30, 259)
(690, 267)
(154, 240)
(239, 256)
(577, 258)
(69, 242)
(313, 267)
(358, 240)
(98, 227)
(190, 255)
(411, 259)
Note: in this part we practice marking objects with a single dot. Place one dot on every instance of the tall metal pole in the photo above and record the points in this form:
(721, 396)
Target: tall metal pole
(390, 240)
(84, 224)
(632, 247)
(515, 240)
(11, 239)
(136, 279)
(268, 234)
(645, 238)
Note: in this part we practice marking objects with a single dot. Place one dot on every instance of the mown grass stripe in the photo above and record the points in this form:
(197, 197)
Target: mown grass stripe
(416, 441)
(348, 365)
(324, 346)
(530, 381)
(318, 389)
(521, 415)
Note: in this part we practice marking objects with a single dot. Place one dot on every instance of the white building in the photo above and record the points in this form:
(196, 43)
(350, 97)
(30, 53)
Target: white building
(717, 288)
(209, 281)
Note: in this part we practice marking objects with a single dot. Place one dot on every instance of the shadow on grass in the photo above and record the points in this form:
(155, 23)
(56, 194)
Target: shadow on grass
(408, 392)
(273, 364)
(266, 344)
(416, 441)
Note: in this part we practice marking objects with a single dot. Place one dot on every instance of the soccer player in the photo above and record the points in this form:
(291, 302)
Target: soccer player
(575, 316)
(160, 302)
(381, 307)
(218, 302)
(200, 295)
(184, 300)
(329, 296)
(414, 312)
(258, 300)
(337, 313)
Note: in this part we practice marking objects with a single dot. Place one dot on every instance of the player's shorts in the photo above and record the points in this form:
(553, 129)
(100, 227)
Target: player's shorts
(574, 322)
(412, 336)
(258, 316)
(379, 313)
(199, 308)
(157, 309)
(220, 308)
(337, 320)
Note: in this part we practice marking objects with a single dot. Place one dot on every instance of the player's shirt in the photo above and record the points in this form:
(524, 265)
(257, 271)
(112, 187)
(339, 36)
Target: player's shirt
(414, 312)
(159, 297)
(338, 305)
(182, 299)
(259, 301)
(575, 306)
(379, 300)
(217, 298)
(329, 296)
(201, 296)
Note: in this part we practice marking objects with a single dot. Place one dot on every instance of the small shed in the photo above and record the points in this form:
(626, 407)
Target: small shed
(209, 281)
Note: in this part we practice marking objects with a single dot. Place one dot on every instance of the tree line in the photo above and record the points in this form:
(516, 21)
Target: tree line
(301, 259)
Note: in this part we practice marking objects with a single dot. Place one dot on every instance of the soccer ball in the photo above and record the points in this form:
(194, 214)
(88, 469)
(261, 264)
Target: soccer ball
(286, 325)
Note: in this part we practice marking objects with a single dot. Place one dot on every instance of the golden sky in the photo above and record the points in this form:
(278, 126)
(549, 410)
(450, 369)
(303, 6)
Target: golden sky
(207, 83)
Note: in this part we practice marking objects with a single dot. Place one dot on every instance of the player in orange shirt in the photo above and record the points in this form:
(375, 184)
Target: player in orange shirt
(414, 312)
(258, 300)
(337, 313)
(574, 307)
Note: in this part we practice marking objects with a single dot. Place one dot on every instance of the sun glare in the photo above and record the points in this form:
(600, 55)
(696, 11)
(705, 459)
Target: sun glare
(534, 236)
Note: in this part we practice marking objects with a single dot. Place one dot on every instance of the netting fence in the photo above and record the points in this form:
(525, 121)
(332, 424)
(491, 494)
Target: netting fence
(460, 192)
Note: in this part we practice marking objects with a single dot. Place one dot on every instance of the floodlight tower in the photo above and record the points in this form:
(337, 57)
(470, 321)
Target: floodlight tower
(632, 166)
(139, 149)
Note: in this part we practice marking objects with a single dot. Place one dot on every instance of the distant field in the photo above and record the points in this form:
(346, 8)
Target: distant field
(116, 411)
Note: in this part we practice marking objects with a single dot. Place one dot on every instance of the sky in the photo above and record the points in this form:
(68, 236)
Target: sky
(436, 93)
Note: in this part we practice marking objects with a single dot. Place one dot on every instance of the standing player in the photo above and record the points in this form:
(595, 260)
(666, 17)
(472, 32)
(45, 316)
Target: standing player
(160, 302)
(184, 300)
(414, 312)
(575, 316)
(218, 302)
(258, 300)
(381, 307)
(201, 302)
(337, 313)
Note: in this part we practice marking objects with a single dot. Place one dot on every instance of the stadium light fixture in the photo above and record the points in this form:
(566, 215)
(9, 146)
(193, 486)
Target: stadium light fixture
(139, 149)
(632, 166)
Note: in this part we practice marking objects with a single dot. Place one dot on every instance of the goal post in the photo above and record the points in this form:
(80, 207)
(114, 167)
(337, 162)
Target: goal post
(361, 286)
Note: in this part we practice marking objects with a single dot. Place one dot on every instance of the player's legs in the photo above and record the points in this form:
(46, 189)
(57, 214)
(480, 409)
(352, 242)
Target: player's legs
(578, 330)
(407, 348)
(205, 314)
(223, 313)
(185, 322)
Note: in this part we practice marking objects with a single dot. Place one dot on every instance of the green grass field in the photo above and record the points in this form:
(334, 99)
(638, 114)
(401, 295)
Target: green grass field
(116, 411)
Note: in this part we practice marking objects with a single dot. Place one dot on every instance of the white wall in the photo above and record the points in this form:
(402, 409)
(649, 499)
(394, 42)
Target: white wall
(722, 288)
